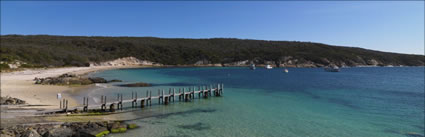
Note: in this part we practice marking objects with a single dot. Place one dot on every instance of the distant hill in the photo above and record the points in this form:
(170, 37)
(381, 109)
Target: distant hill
(57, 51)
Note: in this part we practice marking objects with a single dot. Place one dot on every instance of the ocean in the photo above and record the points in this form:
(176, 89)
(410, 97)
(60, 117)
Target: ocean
(356, 102)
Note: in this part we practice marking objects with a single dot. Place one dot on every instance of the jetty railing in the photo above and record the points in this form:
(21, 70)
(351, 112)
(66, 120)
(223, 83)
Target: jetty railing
(163, 99)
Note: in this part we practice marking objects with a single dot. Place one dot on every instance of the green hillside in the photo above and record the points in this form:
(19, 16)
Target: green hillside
(57, 51)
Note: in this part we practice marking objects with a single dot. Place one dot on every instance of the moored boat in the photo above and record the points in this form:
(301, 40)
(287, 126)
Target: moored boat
(332, 69)
(252, 67)
(269, 67)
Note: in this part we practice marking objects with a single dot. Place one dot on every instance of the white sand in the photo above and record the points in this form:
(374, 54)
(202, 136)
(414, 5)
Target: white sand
(21, 85)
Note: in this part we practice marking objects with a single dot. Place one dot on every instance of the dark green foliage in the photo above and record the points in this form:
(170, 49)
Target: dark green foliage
(46, 51)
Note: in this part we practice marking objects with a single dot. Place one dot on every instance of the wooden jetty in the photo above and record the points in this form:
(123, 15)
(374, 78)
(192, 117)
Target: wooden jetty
(162, 97)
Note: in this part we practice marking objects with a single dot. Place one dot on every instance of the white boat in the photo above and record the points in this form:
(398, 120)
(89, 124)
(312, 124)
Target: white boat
(332, 69)
(252, 67)
(269, 67)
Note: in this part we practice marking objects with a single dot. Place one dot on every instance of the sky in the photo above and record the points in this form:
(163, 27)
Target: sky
(392, 26)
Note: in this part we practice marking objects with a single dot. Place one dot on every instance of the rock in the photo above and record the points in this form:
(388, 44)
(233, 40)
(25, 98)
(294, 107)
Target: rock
(31, 133)
(7, 133)
(98, 80)
(67, 75)
(74, 129)
(10, 101)
(94, 132)
(372, 62)
(114, 80)
(126, 61)
(140, 84)
(59, 132)
(132, 126)
(117, 127)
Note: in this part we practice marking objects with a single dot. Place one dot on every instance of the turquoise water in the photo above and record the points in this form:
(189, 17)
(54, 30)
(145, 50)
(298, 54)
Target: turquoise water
(356, 102)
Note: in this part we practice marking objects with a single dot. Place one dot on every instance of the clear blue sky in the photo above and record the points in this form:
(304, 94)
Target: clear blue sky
(386, 26)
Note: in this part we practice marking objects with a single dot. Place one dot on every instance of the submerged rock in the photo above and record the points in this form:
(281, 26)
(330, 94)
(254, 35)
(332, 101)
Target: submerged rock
(414, 134)
(139, 84)
(114, 80)
(98, 80)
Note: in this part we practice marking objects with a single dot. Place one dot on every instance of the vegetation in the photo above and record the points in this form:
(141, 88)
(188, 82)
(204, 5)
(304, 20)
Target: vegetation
(57, 51)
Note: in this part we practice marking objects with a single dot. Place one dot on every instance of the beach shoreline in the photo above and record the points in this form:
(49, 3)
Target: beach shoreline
(20, 84)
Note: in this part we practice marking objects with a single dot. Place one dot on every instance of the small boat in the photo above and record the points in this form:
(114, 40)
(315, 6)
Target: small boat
(269, 67)
(332, 69)
(252, 67)
(286, 70)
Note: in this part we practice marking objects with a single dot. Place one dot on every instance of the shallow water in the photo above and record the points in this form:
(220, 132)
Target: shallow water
(387, 102)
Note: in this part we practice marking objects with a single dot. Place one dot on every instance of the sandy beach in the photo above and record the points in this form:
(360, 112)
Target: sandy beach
(20, 85)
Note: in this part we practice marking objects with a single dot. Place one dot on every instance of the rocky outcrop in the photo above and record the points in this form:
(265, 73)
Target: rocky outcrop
(290, 61)
(206, 63)
(126, 61)
(70, 79)
(77, 129)
(237, 63)
(10, 101)
(373, 62)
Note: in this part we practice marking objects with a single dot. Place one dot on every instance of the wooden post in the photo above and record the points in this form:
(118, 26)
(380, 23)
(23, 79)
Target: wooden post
(103, 100)
(159, 97)
(174, 93)
(162, 96)
(66, 106)
(166, 100)
(60, 104)
(205, 92)
(193, 92)
(199, 93)
(119, 99)
(222, 87)
(132, 97)
(142, 103)
(112, 107)
(210, 91)
(184, 95)
(121, 103)
(150, 98)
(86, 104)
(180, 95)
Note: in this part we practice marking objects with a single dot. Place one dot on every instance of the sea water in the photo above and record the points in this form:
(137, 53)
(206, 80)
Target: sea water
(356, 102)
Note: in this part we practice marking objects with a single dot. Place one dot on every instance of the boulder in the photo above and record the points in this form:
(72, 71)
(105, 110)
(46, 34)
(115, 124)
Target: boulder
(132, 126)
(117, 127)
(31, 133)
(94, 132)
(59, 132)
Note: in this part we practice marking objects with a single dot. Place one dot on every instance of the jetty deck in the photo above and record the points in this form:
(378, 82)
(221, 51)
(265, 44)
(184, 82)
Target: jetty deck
(162, 98)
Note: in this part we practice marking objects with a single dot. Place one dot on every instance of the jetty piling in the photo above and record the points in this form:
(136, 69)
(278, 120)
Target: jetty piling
(134, 97)
(85, 104)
